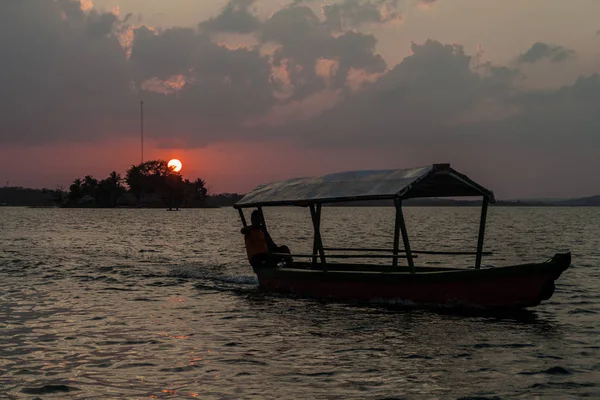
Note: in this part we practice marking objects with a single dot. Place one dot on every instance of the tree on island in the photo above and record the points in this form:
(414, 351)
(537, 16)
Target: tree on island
(149, 184)
(154, 180)
(89, 187)
(149, 179)
(195, 192)
(75, 192)
(90, 191)
(110, 189)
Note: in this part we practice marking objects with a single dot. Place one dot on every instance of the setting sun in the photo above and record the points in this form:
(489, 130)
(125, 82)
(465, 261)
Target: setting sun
(175, 165)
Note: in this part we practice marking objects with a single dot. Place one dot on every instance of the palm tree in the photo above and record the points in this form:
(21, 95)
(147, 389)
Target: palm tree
(113, 187)
(135, 181)
(201, 190)
(89, 186)
(115, 179)
(75, 190)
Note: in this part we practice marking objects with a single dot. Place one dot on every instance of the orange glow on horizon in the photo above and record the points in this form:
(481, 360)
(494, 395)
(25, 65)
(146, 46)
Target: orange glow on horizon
(230, 166)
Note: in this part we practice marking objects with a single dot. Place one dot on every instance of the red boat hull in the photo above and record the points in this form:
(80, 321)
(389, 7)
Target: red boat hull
(504, 287)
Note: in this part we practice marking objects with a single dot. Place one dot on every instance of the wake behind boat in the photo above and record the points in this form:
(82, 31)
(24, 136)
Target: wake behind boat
(516, 286)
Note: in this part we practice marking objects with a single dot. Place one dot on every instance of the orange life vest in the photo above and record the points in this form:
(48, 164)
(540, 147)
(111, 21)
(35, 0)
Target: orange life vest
(255, 241)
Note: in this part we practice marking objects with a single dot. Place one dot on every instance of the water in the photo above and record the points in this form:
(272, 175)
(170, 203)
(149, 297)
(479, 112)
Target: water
(139, 304)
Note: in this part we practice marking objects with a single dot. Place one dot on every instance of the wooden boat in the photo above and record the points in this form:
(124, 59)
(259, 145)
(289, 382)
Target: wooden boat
(516, 286)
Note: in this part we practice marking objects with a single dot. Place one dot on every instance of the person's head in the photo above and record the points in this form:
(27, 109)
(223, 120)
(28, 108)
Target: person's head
(255, 218)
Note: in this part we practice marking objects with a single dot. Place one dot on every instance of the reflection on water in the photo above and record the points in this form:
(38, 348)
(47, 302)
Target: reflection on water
(149, 304)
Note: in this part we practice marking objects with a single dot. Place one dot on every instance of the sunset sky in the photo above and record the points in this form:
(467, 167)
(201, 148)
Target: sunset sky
(244, 92)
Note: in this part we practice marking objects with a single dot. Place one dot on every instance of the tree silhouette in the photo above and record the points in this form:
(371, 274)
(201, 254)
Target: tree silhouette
(151, 183)
(89, 186)
(109, 190)
(155, 178)
(75, 191)
(135, 180)
(114, 179)
(195, 193)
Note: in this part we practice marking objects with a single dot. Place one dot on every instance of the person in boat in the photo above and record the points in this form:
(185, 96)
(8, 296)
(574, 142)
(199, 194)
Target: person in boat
(260, 247)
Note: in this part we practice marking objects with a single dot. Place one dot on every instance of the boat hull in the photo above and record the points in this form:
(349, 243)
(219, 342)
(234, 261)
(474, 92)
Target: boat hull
(516, 286)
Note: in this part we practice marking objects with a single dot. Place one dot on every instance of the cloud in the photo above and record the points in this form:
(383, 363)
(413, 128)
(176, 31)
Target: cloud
(168, 86)
(78, 76)
(426, 4)
(65, 72)
(439, 104)
(304, 39)
(235, 17)
(86, 5)
(440, 95)
(411, 101)
(70, 78)
(212, 89)
(351, 14)
(543, 51)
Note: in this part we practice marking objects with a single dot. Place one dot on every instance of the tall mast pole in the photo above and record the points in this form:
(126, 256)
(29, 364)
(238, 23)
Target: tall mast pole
(142, 127)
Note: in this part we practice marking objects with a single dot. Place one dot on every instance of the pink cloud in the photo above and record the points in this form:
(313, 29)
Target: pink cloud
(357, 78)
(327, 68)
(86, 5)
(298, 110)
(168, 86)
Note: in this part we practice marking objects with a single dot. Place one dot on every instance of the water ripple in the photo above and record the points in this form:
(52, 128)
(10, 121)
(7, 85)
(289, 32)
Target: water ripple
(102, 304)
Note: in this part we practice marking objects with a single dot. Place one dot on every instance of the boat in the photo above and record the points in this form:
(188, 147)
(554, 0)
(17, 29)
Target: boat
(320, 276)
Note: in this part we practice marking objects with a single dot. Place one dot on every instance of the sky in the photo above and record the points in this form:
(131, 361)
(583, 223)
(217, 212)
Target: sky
(246, 92)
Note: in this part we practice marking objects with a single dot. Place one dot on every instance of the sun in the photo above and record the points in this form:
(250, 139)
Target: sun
(175, 165)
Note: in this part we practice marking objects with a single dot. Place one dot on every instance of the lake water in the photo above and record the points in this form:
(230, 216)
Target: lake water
(139, 304)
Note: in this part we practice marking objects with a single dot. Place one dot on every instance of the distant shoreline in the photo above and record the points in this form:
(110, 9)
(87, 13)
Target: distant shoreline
(431, 205)
(437, 202)
(112, 208)
(45, 198)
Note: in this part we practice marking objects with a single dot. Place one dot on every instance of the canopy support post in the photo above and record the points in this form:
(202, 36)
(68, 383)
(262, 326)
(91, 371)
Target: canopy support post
(243, 218)
(315, 213)
(396, 235)
(262, 218)
(315, 244)
(400, 219)
(484, 208)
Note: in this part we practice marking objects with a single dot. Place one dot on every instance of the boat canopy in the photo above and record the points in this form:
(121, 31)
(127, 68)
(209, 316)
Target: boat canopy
(437, 180)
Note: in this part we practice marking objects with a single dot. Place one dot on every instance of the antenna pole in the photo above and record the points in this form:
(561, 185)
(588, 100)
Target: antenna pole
(142, 127)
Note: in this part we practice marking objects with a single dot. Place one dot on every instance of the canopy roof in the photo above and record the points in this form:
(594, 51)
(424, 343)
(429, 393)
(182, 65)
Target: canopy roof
(437, 180)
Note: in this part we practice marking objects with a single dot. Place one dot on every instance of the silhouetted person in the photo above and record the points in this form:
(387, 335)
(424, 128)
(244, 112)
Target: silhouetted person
(259, 245)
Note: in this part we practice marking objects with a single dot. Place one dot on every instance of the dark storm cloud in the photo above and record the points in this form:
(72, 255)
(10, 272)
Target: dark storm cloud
(569, 113)
(217, 89)
(440, 105)
(70, 75)
(170, 52)
(345, 15)
(61, 71)
(351, 14)
(235, 17)
(67, 77)
(75, 75)
(305, 40)
(436, 95)
(543, 51)
(411, 101)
